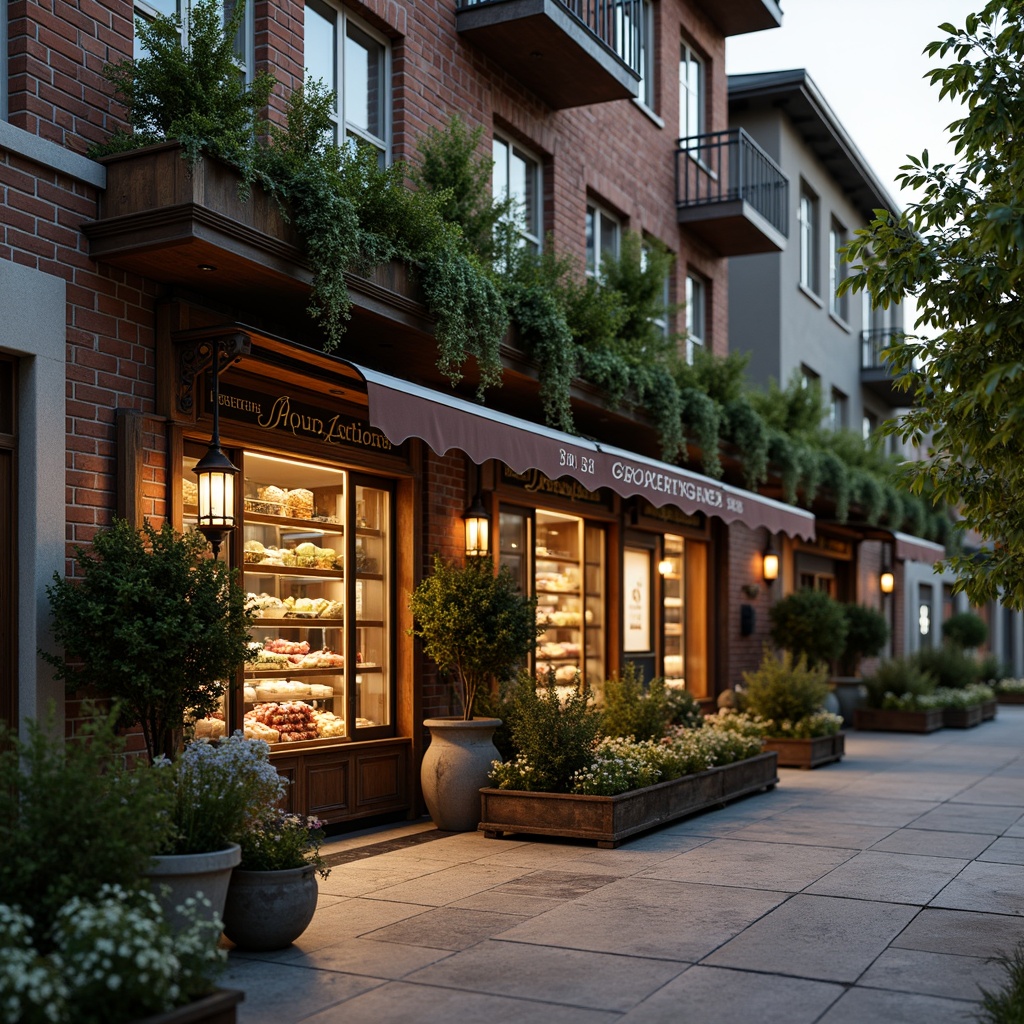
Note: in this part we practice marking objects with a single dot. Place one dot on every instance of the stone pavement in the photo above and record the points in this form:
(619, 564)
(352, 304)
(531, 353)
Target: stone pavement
(873, 890)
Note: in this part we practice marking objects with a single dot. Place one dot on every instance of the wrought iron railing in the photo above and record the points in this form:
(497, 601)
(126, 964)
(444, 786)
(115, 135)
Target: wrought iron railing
(617, 24)
(873, 343)
(724, 166)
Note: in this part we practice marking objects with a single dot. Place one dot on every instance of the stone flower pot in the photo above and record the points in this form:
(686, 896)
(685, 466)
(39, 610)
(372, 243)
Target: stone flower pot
(455, 768)
(269, 909)
(175, 877)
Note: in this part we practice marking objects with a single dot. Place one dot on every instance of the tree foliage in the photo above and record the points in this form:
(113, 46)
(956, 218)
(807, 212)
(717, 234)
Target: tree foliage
(958, 252)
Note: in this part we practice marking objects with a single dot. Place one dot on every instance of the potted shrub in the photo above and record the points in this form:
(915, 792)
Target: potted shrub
(478, 626)
(789, 697)
(79, 824)
(810, 624)
(965, 630)
(152, 623)
(273, 891)
(867, 631)
(565, 780)
(899, 698)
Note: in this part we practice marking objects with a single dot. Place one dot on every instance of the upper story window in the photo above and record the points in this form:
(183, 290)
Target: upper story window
(837, 410)
(836, 270)
(808, 378)
(696, 315)
(635, 27)
(661, 320)
(354, 63)
(518, 174)
(692, 94)
(245, 41)
(603, 234)
(807, 215)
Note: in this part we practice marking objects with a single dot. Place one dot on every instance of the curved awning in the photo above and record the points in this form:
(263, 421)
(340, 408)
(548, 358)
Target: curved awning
(402, 410)
(908, 548)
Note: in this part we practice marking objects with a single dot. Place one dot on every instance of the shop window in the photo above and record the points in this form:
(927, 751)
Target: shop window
(684, 614)
(317, 570)
(517, 175)
(354, 63)
(823, 581)
(8, 519)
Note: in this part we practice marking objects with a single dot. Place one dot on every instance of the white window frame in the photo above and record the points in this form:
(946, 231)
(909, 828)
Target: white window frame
(661, 321)
(345, 129)
(838, 409)
(597, 218)
(807, 219)
(696, 315)
(644, 51)
(836, 270)
(245, 54)
(503, 151)
(692, 94)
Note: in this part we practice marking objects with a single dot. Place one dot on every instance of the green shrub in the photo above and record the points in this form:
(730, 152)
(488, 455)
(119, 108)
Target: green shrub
(628, 708)
(965, 630)
(784, 692)
(951, 667)
(991, 668)
(552, 738)
(811, 624)
(867, 631)
(899, 677)
(1006, 1005)
(682, 709)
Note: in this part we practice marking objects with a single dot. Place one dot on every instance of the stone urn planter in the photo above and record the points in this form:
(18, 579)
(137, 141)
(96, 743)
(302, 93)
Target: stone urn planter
(455, 768)
(610, 819)
(177, 876)
(268, 910)
(898, 721)
(219, 1007)
(807, 753)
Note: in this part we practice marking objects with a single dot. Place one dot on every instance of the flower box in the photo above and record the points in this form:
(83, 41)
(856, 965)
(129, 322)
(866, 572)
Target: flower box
(1010, 698)
(610, 819)
(219, 1007)
(807, 753)
(988, 709)
(962, 718)
(898, 721)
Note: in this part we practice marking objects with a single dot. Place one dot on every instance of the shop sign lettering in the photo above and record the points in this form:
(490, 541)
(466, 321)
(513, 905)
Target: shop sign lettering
(675, 486)
(535, 482)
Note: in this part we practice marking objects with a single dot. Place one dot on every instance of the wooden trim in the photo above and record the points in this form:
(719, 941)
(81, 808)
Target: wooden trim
(130, 459)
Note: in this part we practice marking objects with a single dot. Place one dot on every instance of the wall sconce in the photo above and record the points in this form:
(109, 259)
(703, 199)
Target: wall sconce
(887, 581)
(666, 567)
(770, 563)
(216, 474)
(478, 529)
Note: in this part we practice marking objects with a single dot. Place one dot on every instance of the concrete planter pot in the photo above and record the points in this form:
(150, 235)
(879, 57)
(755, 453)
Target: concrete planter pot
(176, 877)
(268, 910)
(455, 768)
(610, 819)
(962, 718)
(219, 1007)
(898, 721)
(807, 753)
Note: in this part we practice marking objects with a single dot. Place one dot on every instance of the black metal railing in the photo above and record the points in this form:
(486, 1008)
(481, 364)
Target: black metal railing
(617, 24)
(724, 166)
(873, 343)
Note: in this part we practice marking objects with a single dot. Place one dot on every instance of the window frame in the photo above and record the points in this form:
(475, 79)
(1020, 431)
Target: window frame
(344, 128)
(660, 322)
(246, 60)
(838, 410)
(596, 216)
(532, 236)
(696, 312)
(696, 92)
(810, 245)
(838, 304)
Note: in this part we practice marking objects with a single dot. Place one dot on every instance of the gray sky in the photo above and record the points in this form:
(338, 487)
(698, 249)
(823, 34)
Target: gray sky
(865, 57)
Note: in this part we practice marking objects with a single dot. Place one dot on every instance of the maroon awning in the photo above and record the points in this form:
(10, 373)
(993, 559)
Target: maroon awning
(403, 410)
(916, 549)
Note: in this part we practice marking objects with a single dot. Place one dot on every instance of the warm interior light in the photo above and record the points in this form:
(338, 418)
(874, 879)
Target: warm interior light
(770, 563)
(666, 566)
(887, 581)
(478, 529)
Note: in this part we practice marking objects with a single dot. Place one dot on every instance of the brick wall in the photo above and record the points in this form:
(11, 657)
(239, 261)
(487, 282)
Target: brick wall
(746, 548)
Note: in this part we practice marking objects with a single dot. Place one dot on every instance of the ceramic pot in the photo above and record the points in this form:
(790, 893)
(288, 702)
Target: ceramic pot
(455, 768)
(269, 909)
(174, 877)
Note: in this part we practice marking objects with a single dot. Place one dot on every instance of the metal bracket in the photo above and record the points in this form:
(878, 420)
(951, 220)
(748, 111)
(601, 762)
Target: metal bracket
(196, 351)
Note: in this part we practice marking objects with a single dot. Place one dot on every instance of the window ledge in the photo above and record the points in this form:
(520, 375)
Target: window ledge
(659, 121)
(839, 321)
(816, 299)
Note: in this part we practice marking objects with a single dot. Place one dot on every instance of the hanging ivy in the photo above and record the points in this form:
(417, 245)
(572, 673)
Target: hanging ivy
(745, 428)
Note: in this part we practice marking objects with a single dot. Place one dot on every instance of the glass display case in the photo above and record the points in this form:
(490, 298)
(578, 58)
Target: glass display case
(673, 593)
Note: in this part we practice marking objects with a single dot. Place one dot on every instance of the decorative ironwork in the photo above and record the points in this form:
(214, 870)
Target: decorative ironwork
(196, 353)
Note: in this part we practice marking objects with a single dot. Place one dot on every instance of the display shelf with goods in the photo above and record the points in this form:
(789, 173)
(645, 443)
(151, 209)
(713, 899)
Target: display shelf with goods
(673, 596)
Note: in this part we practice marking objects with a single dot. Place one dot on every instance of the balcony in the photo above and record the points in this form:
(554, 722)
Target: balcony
(875, 374)
(570, 53)
(730, 193)
(736, 17)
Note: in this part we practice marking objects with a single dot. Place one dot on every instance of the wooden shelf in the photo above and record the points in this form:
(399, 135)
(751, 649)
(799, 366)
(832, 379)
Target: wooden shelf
(297, 622)
(286, 523)
(269, 569)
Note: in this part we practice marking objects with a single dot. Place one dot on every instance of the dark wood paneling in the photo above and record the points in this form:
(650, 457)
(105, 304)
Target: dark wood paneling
(380, 780)
(328, 781)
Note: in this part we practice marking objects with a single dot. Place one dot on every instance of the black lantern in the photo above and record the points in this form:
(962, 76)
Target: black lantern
(216, 473)
(478, 529)
(770, 563)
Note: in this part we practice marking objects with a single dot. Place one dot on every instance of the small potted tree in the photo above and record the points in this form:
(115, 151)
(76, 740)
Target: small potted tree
(479, 627)
(867, 631)
(811, 624)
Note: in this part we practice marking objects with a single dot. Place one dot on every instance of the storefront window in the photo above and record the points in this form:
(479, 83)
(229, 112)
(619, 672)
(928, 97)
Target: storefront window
(673, 596)
(322, 634)
(684, 614)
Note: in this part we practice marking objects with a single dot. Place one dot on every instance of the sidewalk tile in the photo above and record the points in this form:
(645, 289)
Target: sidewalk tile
(932, 974)
(889, 877)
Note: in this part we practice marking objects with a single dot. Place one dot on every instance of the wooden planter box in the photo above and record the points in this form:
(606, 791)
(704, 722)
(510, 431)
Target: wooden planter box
(219, 1007)
(988, 710)
(1010, 698)
(809, 753)
(898, 721)
(610, 819)
(962, 718)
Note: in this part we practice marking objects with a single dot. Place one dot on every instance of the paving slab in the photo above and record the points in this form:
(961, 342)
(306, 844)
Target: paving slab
(890, 877)
(649, 917)
(996, 789)
(819, 937)
(929, 843)
(451, 928)
(714, 995)
(966, 817)
(961, 931)
(781, 867)
(995, 888)
(932, 974)
(807, 832)
(570, 977)
(861, 1005)
(857, 810)
(449, 884)
(1008, 850)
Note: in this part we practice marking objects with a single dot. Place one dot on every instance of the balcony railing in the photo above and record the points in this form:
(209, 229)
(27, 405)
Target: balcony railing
(872, 344)
(570, 52)
(724, 167)
(876, 372)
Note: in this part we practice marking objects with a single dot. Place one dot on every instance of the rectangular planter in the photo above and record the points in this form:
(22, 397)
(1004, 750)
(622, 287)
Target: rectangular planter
(1010, 698)
(962, 718)
(898, 721)
(808, 753)
(219, 1007)
(610, 819)
(988, 710)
